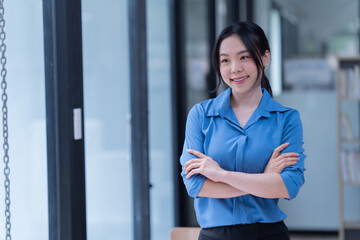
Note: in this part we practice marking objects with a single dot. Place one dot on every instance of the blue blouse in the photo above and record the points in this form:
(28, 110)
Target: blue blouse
(213, 129)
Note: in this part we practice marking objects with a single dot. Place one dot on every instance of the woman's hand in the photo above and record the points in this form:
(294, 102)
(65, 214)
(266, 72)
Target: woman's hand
(203, 165)
(279, 161)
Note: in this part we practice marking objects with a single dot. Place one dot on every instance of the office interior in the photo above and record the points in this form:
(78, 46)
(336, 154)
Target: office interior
(90, 186)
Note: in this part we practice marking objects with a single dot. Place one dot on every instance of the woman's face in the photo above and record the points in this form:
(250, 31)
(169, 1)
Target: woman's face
(237, 67)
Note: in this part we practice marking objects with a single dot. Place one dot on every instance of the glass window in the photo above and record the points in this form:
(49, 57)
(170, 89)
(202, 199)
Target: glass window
(107, 108)
(27, 128)
(306, 38)
(197, 51)
(159, 97)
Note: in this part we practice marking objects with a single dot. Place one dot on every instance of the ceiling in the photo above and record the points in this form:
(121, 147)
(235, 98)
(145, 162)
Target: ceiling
(322, 18)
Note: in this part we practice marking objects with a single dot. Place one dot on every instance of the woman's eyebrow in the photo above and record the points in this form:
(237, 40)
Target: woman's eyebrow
(242, 51)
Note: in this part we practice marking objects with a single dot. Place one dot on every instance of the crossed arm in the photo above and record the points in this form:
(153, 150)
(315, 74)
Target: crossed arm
(226, 184)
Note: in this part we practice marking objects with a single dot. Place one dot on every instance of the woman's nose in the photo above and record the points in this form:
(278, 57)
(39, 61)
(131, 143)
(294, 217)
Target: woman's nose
(236, 66)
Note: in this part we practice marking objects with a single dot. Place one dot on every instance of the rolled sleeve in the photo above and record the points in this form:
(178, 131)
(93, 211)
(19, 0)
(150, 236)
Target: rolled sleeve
(293, 176)
(194, 139)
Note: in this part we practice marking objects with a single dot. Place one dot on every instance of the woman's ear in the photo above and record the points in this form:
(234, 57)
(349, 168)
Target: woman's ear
(266, 58)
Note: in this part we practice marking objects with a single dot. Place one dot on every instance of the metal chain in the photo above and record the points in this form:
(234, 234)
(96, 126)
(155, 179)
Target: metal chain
(5, 121)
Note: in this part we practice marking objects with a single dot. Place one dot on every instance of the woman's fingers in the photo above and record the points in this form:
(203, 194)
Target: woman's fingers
(203, 165)
(194, 160)
(289, 159)
(195, 163)
(287, 162)
(196, 153)
(278, 150)
(192, 166)
(279, 163)
(193, 172)
(290, 154)
(286, 155)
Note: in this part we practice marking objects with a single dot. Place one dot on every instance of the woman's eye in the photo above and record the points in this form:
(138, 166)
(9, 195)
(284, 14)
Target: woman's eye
(244, 57)
(224, 61)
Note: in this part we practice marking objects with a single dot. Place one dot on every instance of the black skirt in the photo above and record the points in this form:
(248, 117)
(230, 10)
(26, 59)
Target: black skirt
(255, 231)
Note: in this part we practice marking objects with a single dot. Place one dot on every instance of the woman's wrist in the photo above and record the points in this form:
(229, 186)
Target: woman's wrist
(222, 175)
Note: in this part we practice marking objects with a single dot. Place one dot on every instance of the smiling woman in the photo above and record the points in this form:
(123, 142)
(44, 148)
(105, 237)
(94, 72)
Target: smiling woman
(236, 65)
(242, 150)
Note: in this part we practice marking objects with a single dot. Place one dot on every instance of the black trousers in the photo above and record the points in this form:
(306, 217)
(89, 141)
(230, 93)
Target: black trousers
(255, 231)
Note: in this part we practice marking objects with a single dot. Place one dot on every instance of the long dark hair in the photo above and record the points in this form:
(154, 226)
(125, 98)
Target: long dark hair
(255, 41)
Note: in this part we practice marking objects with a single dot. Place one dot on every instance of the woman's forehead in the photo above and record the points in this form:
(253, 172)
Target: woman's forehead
(232, 45)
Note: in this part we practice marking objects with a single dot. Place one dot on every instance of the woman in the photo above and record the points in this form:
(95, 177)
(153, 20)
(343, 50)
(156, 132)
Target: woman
(243, 150)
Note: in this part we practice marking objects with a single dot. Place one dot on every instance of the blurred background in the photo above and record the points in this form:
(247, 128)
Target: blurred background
(307, 38)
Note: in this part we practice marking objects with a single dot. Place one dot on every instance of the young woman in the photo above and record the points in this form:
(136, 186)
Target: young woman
(243, 150)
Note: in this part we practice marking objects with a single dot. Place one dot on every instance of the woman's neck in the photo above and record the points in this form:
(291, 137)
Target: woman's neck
(247, 100)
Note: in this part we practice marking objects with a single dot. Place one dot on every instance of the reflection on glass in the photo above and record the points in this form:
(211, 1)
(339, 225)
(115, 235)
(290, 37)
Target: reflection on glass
(159, 79)
(26, 120)
(275, 46)
(106, 108)
(313, 35)
(197, 56)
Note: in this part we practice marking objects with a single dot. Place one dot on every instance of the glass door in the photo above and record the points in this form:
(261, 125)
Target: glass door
(159, 102)
(26, 121)
(106, 113)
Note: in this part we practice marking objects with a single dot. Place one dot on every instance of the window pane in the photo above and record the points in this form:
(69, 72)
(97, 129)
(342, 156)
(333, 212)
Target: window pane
(197, 55)
(307, 37)
(159, 79)
(27, 131)
(107, 107)
(314, 34)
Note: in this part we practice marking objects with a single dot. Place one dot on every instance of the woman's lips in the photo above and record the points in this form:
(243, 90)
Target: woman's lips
(239, 80)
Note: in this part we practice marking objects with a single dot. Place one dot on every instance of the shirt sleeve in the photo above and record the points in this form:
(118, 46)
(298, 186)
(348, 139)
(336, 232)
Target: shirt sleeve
(194, 139)
(293, 176)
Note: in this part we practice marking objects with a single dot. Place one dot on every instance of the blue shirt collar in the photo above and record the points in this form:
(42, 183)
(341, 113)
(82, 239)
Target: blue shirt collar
(220, 105)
